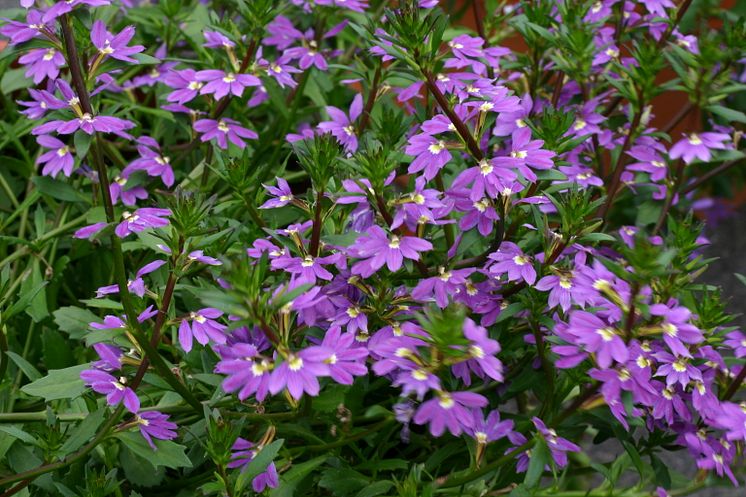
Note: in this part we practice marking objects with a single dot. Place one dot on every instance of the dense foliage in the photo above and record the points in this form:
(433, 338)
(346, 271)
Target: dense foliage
(352, 248)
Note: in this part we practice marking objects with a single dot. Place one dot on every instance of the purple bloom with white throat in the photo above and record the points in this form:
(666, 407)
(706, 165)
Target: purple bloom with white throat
(698, 146)
(199, 256)
(558, 446)
(220, 83)
(282, 195)
(154, 424)
(203, 327)
(115, 390)
(341, 126)
(452, 410)
(88, 124)
(42, 63)
(378, 249)
(60, 8)
(510, 259)
(185, 84)
(598, 337)
(114, 46)
(224, 130)
(299, 372)
(57, 159)
(430, 154)
(142, 219)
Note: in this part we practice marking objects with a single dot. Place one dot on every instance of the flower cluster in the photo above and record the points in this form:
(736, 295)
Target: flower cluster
(380, 233)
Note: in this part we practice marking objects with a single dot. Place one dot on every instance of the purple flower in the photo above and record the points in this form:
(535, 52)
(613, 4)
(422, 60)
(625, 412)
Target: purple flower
(282, 194)
(450, 410)
(217, 40)
(88, 231)
(430, 153)
(59, 8)
(19, 32)
(676, 328)
(524, 153)
(42, 63)
(698, 146)
(223, 130)
(677, 369)
(110, 356)
(129, 196)
(379, 249)
(598, 337)
(243, 452)
(140, 220)
(447, 283)
(203, 328)
(482, 351)
(736, 340)
(247, 371)
(341, 126)
(114, 46)
(558, 446)
(491, 429)
(299, 372)
(58, 159)
(114, 389)
(136, 286)
(221, 83)
(564, 290)
(152, 161)
(199, 256)
(153, 424)
(345, 360)
(510, 259)
(306, 269)
(88, 124)
(185, 83)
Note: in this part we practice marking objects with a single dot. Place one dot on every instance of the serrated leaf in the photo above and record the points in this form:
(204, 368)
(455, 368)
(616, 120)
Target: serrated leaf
(74, 321)
(58, 384)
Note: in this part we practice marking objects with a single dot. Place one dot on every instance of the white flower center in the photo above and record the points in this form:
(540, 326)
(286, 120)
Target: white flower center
(437, 147)
(295, 363)
(607, 334)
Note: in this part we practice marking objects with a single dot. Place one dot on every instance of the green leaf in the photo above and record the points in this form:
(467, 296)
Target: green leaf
(83, 432)
(58, 384)
(58, 352)
(74, 321)
(14, 79)
(342, 481)
(30, 371)
(82, 141)
(258, 464)
(374, 489)
(18, 433)
(293, 477)
(539, 459)
(57, 189)
(143, 58)
(168, 453)
(730, 115)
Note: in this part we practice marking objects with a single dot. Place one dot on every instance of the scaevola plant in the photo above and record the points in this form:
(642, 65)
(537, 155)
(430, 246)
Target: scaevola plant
(355, 248)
